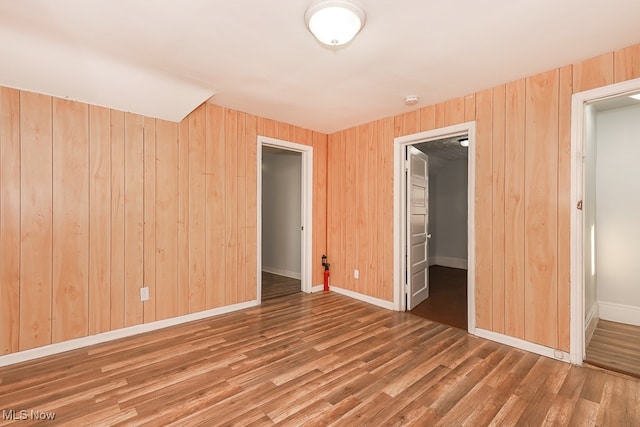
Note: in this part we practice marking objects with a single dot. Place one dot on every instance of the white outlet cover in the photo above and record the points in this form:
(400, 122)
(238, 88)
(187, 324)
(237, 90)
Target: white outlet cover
(356, 274)
(144, 294)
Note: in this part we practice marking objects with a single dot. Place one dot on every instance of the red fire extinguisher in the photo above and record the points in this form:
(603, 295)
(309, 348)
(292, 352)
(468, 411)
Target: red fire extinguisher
(325, 264)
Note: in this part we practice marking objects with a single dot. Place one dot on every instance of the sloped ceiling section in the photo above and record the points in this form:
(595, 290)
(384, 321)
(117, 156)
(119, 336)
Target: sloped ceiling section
(163, 58)
(51, 53)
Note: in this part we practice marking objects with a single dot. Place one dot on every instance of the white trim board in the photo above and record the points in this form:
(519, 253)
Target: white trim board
(306, 234)
(364, 298)
(620, 313)
(48, 350)
(399, 200)
(578, 102)
(450, 262)
(523, 345)
(280, 272)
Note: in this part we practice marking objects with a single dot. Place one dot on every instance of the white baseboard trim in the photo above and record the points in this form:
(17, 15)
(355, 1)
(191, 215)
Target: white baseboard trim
(317, 288)
(591, 322)
(620, 313)
(48, 350)
(364, 298)
(449, 262)
(280, 272)
(523, 345)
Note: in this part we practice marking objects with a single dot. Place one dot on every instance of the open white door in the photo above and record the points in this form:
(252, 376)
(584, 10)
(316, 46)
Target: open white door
(417, 227)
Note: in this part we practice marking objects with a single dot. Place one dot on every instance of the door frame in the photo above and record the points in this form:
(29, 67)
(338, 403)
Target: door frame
(578, 101)
(306, 209)
(400, 208)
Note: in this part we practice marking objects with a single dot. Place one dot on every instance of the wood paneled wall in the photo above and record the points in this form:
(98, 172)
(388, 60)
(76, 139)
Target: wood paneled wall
(522, 196)
(95, 202)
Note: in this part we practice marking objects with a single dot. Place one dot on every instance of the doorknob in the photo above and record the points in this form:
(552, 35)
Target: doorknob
(429, 236)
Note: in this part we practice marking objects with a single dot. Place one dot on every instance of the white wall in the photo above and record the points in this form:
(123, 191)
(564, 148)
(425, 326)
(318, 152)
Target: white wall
(590, 203)
(448, 215)
(618, 208)
(281, 212)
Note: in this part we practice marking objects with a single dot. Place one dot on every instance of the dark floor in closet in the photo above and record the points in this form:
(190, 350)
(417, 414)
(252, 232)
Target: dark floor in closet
(615, 346)
(447, 302)
(274, 286)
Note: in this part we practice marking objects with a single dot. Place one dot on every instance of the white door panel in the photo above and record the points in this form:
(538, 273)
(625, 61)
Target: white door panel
(418, 226)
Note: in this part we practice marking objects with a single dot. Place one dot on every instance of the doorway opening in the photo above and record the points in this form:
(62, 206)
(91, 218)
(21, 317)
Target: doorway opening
(284, 218)
(605, 231)
(434, 225)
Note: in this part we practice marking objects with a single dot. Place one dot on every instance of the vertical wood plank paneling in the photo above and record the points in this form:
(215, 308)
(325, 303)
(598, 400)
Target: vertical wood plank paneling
(592, 73)
(197, 210)
(35, 220)
(386, 132)
(319, 205)
(541, 228)
(440, 115)
(564, 208)
(407, 123)
(483, 206)
(335, 208)
(470, 108)
(70, 219)
(351, 190)
(427, 118)
(150, 218)
(626, 63)
(134, 218)
(9, 220)
(99, 220)
(231, 207)
(241, 209)
(166, 219)
(215, 206)
(362, 199)
(514, 209)
(498, 209)
(117, 220)
(184, 286)
(371, 212)
(454, 111)
(251, 255)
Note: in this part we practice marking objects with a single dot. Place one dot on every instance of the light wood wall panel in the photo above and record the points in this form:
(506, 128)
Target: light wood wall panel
(541, 222)
(133, 218)
(97, 203)
(149, 269)
(9, 220)
(99, 220)
(167, 215)
(36, 225)
(117, 220)
(70, 220)
(498, 209)
(514, 209)
(522, 195)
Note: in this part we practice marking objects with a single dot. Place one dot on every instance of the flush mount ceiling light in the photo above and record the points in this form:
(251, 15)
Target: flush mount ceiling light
(464, 142)
(335, 22)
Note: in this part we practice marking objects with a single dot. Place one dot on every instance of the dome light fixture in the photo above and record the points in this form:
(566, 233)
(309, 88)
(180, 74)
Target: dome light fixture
(335, 22)
(464, 142)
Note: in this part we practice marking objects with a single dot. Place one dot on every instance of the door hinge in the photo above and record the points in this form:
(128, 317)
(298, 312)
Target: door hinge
(579, 205)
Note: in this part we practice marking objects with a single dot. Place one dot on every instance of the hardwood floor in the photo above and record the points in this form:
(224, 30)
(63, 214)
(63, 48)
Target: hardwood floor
(315, 360)
(615, 346)
(275, 286)
(447, 302)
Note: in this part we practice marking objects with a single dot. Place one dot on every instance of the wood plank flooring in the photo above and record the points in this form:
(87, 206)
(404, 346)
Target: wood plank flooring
(447, 302)
(315, 360)
(615, 346)
(274, 286)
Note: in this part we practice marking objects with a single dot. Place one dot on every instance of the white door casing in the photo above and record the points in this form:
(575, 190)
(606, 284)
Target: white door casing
(417, 227)
(306, 233)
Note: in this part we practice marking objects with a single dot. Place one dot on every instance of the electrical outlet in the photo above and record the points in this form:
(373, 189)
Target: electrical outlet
(144, 294)
(356, 274)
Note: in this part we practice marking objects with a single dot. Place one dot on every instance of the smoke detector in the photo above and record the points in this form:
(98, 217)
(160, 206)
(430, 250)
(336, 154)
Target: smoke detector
(411, 100)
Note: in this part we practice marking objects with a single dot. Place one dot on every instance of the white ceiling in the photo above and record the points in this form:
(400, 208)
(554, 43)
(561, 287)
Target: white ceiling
(163, 58)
